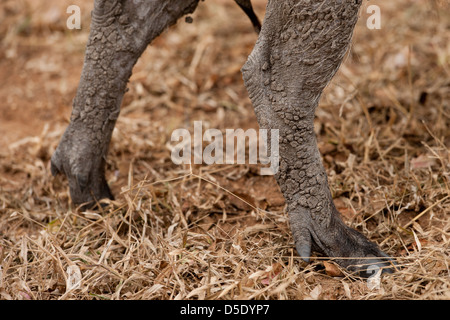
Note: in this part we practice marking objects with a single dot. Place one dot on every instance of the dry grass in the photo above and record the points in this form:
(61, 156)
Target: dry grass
(221, 232)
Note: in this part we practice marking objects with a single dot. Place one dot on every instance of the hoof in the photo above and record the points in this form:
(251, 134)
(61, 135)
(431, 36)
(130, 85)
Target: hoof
(349, 248)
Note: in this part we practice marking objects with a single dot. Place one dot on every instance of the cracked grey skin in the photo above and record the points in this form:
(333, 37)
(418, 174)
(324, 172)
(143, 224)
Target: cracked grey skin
(299, 49)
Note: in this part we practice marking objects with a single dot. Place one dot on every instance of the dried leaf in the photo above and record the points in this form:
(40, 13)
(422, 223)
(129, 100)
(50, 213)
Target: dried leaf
(332, 270)
(73, 278)
(347, 291)
(315, 293)
(422, 161)
(242, 201)
(271, 273)
(416, 239)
